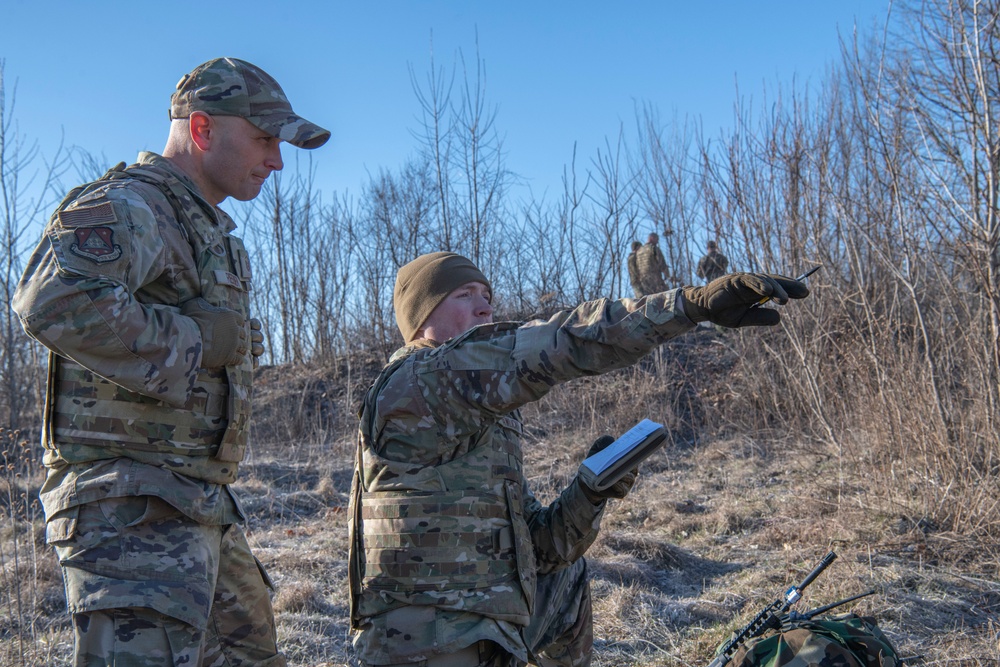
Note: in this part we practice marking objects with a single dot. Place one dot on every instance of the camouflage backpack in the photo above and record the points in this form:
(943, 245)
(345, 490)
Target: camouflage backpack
(847, 640)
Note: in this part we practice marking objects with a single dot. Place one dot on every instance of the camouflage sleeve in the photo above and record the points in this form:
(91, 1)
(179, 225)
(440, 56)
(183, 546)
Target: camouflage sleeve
(451, 389)
(78, 296)
(501, 373)
(563, 531)
(596, 337)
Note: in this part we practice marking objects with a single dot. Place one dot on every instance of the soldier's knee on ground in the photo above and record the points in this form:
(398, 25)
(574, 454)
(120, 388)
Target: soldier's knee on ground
(561, 632)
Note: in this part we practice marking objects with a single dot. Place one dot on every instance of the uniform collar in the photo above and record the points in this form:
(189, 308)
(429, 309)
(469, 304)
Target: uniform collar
(157, 161)
(415, 346)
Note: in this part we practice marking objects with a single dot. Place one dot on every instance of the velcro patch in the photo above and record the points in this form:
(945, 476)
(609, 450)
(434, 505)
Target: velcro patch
(227, 278)
(96, 244)
(89, 216)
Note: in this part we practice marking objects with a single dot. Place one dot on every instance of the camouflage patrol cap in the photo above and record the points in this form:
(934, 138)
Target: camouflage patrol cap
(425, 282)
(231, 87)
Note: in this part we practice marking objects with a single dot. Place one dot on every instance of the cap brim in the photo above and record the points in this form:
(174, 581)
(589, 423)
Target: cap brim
(294, 129)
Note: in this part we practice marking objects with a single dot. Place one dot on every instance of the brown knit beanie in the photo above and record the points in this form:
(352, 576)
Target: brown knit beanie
(425, 282)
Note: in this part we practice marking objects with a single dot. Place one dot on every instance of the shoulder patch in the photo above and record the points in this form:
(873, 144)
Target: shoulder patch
(96, 244)
(91, 226)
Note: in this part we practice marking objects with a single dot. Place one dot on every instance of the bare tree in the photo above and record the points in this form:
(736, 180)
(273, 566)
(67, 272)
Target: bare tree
(301, 266)
(482, 173)
(668, 190)
(615, 214)
(461, 143)
(572, 224)
(27, 181)
(949, 81)
(435, 139)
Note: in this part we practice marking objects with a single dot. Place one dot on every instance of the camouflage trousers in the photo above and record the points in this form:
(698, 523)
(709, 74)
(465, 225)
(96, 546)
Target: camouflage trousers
(148, 586)
(560, 633)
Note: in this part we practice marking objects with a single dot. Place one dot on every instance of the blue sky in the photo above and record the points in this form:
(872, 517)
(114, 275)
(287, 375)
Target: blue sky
(557, 72)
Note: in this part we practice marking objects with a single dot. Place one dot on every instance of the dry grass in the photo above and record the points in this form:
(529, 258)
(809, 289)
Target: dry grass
(719, 523)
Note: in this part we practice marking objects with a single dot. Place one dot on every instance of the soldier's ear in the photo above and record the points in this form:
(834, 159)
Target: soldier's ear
(201, 127)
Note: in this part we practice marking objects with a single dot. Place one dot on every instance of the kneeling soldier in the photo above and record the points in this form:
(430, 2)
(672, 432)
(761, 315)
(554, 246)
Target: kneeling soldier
(453, 561)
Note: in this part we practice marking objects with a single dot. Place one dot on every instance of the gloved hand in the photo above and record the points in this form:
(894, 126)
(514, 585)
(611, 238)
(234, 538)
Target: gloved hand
(729, 300)
(256, 341)
(619, 489)
(223, 333)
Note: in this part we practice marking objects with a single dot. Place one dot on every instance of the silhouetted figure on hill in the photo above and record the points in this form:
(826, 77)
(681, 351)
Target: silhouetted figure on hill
(652, 266)
(713, 264)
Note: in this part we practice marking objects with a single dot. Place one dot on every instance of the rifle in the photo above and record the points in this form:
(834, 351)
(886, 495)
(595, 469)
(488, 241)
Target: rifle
(770, 616)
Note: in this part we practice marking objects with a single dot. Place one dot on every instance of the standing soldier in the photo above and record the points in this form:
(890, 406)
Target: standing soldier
(712, 265)
(652, 266)
(453, 561)
(141, 294)
(634, 277)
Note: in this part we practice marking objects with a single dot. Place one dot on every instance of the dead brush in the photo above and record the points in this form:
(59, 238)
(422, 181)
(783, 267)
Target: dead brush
(31, 613)
(300, 597)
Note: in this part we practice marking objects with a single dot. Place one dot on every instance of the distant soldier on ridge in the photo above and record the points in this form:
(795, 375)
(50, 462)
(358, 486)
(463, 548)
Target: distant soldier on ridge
(652, 266)
(713, 264)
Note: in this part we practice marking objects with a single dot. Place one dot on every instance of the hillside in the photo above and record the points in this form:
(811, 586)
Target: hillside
(715, 528)
(718, 524)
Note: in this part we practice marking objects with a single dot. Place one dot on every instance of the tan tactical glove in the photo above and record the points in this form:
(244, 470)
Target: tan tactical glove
(619, 489)
(729, 300)
(223, 333)
(256, 341)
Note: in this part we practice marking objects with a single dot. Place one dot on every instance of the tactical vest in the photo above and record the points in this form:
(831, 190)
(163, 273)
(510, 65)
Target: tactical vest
(89, 417)
(651, 264)
(422, 544)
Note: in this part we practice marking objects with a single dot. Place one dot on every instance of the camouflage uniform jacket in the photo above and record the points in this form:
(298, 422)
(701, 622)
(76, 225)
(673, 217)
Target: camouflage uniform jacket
(129, 411)
(712, 266)
(652, 268)
(443, 522)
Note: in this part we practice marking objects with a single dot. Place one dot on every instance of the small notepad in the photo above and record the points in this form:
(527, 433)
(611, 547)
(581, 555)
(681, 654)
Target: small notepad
(607, 466)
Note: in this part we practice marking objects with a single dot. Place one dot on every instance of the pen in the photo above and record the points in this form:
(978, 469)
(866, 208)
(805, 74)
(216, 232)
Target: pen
(802, 277)
(809, 272)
